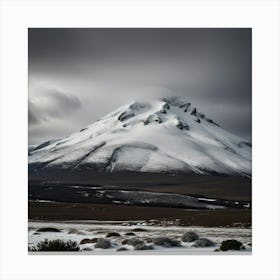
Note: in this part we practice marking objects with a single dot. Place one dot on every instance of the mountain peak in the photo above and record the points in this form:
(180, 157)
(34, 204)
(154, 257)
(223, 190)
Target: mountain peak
(175, 100)
(176, 110)
(165, 135)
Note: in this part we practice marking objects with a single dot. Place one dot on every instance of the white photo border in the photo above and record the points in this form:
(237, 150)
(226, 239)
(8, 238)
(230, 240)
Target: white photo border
(17, 16)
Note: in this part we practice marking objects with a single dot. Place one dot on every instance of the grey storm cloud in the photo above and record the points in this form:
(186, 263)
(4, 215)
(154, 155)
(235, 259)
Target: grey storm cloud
(98, 69)
(47, 103)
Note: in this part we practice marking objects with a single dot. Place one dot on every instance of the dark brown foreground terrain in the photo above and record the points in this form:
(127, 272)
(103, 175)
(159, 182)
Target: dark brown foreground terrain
(216, 186)
(54, 186)
(59, 211)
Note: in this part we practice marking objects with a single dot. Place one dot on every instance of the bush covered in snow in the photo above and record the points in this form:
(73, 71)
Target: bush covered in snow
(103, 243)
(166, 242)
(231, 244)
(56, 245)
(203, 242)
(190, 236)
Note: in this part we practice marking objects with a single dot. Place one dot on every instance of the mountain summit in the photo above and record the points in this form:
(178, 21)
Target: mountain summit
(166, 135)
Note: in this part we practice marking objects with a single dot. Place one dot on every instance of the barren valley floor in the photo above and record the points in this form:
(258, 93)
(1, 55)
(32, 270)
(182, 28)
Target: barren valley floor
(217, 207)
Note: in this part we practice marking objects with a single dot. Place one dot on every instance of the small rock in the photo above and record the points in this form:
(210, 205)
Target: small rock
(139, 229)
(111, 234)
(103, 243)
(166, 242)
(203, 242)
(134, 241)
(48, 229)
(143, 247)
(130, 234)
(190, 236)
(231, 244)
(86, 249)
(121, 249)
(87, 240)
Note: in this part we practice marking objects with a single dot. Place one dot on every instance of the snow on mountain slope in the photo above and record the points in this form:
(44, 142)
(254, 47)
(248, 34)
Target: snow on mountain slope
(168, 135)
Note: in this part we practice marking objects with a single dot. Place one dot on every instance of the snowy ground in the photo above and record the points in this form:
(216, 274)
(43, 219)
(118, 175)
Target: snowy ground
(79, 230)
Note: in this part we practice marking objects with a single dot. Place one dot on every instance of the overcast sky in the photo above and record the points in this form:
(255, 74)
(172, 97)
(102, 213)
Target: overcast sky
(77, 76)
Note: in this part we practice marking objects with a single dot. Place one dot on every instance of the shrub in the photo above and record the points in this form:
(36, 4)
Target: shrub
(110, 234)
(166, 242)
(103, 243)
(190, 236)
(231, 244)
(48, 229)
(203, 242)
(56, 245)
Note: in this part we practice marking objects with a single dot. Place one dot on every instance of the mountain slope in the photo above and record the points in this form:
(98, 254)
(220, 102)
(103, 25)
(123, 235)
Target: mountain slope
(167, 135)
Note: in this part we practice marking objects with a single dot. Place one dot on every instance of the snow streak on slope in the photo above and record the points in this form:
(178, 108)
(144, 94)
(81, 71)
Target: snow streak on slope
(167, 135)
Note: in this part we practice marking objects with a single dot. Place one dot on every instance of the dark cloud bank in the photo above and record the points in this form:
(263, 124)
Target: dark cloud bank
(78, 75)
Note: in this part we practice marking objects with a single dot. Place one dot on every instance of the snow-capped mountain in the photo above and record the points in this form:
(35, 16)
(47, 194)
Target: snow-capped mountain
(166, 135)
